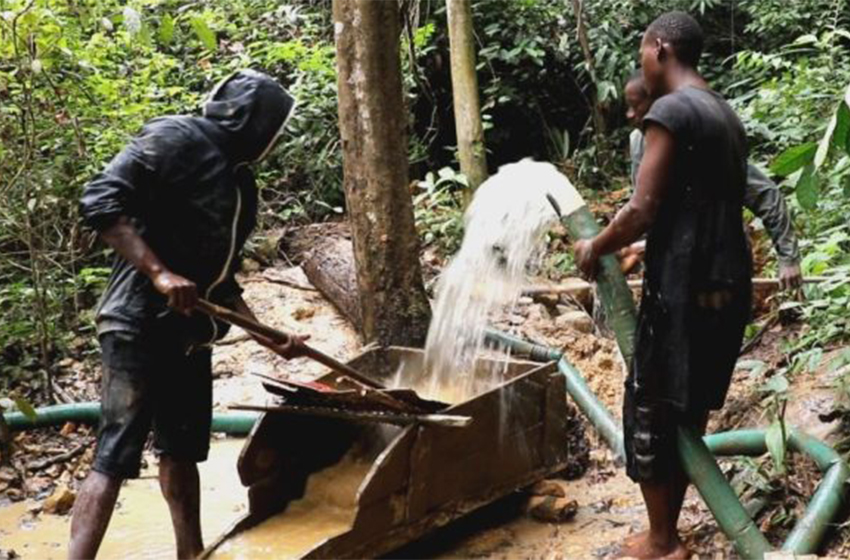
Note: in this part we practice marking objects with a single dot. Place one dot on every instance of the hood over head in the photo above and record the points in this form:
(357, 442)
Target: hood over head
(253, 109)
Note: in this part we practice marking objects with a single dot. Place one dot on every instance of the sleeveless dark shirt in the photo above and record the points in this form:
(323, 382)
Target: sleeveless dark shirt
(697, 284)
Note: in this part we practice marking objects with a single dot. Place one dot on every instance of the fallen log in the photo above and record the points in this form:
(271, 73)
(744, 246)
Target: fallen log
(330, 268)
(577, 287)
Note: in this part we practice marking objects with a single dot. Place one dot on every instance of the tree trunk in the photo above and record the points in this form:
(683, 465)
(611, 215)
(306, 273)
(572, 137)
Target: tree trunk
(595, 107)
(373, 126)
(467, 108)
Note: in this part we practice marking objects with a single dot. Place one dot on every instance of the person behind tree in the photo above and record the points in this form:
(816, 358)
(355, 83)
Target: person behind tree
(177, 205)
(761, 196)
(697, 284)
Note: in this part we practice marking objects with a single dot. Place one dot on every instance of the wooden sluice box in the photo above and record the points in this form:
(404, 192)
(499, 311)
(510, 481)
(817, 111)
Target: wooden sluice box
(321, 487)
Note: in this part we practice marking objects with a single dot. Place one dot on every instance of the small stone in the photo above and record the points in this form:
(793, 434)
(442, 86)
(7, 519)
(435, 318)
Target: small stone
(549, 488)
(250, 265)
(68, 428)
(303, 313)
(65, 363)
(547, 299)
(563, 309)
(8, 474)
(524, 300)
(61, 501)
(538, 312)
(551, 509)
(575, 320)
(515, 319)
(15, 494)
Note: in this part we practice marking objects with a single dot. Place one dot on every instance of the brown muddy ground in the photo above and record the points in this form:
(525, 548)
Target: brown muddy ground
(609, 504)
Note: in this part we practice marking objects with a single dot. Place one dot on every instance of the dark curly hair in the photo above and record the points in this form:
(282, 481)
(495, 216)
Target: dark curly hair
(683, 33)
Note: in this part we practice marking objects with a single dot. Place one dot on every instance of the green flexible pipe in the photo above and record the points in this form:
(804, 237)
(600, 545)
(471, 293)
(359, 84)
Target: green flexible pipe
(577, 388)
(614, 292)
(718, 495)
(599, 416)
(230, 423)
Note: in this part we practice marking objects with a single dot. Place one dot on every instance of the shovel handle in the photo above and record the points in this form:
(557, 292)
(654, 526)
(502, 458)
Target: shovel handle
(277, 337)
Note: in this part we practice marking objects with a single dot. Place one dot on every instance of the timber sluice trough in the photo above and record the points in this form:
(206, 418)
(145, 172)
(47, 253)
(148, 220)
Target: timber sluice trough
(321, 486)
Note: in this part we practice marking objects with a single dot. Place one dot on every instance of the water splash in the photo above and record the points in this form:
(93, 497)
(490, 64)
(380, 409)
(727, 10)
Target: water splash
(505, 227)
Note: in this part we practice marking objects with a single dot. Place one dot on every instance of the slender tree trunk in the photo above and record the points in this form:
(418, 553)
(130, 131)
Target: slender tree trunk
(373, 126)
(467, 107)
(595, 109)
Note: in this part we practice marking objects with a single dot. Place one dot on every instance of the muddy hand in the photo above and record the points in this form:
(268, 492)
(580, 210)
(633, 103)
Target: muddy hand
(586, 258)
(790, 277)
(181, 292)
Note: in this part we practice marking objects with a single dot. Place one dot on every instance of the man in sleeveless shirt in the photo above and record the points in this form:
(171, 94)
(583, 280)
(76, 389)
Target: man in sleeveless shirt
(761, 197)
(697, 285)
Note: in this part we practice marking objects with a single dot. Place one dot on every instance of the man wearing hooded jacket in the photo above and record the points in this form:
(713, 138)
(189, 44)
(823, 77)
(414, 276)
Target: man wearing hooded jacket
(177, 205)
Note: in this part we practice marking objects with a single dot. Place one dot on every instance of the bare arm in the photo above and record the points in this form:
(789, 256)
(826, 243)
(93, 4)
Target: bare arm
(122, 236)
(639, 213)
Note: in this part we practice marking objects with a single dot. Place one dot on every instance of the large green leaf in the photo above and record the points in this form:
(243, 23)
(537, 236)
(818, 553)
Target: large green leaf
(774, 438)
(166, 29)
(26, 408)
(793, 159)
(842, 127)
(808, 188)
(204, 33)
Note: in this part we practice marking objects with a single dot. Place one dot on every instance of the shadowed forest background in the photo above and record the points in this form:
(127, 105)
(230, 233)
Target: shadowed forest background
(79, 77)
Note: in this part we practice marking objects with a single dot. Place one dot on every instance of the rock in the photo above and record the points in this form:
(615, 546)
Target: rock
(575, 320)
(250, 265)
(563, 309)
(15, 494)
(68, 428)
(547, 299)
(8, 475)
(551, 509)
(549, 488)
(65, 363)
(538, 312)
(514, 319)
(61, 501)
(524, 300)
(303, 313)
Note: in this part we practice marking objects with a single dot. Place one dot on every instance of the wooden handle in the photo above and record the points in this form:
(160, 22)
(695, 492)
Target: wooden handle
(276, 337)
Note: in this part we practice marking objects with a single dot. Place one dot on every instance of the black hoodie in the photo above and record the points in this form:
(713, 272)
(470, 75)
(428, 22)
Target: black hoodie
(185, 183)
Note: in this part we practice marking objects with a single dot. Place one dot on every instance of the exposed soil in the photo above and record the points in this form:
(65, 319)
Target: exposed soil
(609, 505)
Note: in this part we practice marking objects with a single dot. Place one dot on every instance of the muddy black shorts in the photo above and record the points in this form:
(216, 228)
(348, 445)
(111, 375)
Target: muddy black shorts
(649, 430)
(151, 383)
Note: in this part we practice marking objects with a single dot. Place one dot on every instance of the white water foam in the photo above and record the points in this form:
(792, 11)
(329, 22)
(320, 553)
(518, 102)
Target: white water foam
(505, 227)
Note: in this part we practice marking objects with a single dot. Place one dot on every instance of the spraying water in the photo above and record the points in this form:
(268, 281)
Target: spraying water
(505, 226)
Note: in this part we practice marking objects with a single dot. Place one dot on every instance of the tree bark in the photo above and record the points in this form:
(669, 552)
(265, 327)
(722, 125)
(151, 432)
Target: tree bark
(330, 268)
(595, 108)
(373, 126)
(467, 107)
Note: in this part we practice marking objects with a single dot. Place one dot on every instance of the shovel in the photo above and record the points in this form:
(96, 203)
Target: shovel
(275, 339)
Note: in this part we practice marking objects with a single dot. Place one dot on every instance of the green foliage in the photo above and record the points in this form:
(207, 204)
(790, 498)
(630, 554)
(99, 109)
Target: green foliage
(438, 209)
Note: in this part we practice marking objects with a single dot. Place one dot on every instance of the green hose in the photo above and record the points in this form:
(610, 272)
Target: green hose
(230, 423)
(614, 292)
(718, 495)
